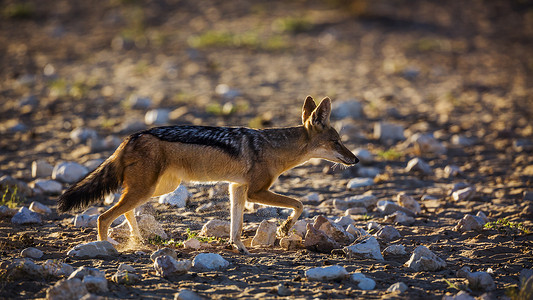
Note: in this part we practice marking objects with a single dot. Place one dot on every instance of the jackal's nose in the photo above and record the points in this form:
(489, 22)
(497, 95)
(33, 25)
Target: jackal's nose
(355, 160)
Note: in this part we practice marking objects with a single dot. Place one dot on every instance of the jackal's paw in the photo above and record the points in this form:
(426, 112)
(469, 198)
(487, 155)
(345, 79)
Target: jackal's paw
(283, 230)
(240, 247)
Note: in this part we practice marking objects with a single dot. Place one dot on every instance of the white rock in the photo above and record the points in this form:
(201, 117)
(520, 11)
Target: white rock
(480, 281)
(395, 250)
(95, 284)
(81, 272)
(125, 277)
(41, 168)
(82, 135)
(111, 198)
(367, 284)
(93, 210)
(265, 234)
(6, 212)
(344, 221)
(166, 265)
(125, 267)
(51, 187)
(156, 117)
(388, 233)
(83, 221)
(216, 228)
(408, 202)
(186, 295)
(368, 248)
(368, 172)
(426, 143)
(164, 251)
(355, 211)
(388, 207)
(22, 269)
(357, 277)
(387, 131)
(423, 259)
(464, 194)
(470, 223)
(398, 287)
(67, 289)
(336, 232)
(192, 244)
(483, 216)
(326, 273)
(31, 252)
(355, 201)
(347, 109)
(69, 172)
(293, 241)
(355, 183)
(300, 227)
(452, 171)
(462, 295)
(98, 249)
(356, 231)
(209, 262)
(225, 91)
(40, 208)
(138, 102)
(177, 198)
(56, 268)
(26, 216)
(418, 165)
(400, 217)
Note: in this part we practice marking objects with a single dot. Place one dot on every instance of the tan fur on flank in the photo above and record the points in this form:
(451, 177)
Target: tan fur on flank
(155, 161)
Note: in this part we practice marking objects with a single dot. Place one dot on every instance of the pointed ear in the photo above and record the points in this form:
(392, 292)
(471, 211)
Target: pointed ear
(321, 114)
(307, 109)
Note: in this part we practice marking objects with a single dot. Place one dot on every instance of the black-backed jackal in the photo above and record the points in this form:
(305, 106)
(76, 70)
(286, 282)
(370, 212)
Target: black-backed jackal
(153, 162)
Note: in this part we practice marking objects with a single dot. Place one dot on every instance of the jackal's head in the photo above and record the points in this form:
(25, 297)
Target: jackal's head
(324, 140)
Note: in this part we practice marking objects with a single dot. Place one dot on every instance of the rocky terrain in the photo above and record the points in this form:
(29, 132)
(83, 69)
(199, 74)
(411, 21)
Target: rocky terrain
(435, 98)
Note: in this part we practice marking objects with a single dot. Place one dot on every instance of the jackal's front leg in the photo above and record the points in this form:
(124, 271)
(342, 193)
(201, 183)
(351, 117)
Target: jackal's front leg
(269, 198)
(238, 194)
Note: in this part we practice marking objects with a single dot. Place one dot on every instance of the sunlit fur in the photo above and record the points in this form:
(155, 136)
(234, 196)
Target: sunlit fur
(153, 162)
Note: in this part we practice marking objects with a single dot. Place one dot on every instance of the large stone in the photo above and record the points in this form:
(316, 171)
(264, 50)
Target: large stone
(417, 165)
(40, 208)
(98, 249)
(395, 250)
(300, 227)
(25, 216)
(45, 186)
(164, 251)
(316, 240)
(408, 202)
(388, 207)
(336, 232)
(367, 248)
(186, 295)
(326, 273)
(365, 201)
(32, 252)
(67, 289)
(125, 277)
(398, 288)
(355, 183)
(209, 262)
(480, 281)
(425, 143)
(293, 241)
(423, 259)
(470, 223)
(69, 172)
(192, 244)
(464, 194)
(95, 284)
(216, 228)
(8, 182)
(57, 268)
(83, 271)
(265, 234)
(41, 168)
(83, 220)
(166, 266)
(21, 268)
(148, 226)
(388, 233)
(384, 131)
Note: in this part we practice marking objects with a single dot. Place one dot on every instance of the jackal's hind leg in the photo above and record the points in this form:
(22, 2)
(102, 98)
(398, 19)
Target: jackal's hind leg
(272, 199)
(238, 198)
(134, 227)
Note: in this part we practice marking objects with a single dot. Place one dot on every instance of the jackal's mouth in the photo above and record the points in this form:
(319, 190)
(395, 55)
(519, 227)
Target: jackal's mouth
(349, 162)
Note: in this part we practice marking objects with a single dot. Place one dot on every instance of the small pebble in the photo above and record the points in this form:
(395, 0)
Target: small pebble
(32, 252)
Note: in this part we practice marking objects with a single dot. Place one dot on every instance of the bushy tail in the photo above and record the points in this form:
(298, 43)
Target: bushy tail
(107, 178)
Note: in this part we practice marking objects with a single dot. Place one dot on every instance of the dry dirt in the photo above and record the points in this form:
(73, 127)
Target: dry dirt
(449, 68)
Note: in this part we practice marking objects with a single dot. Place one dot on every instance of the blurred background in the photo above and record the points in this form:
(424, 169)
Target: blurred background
(114, 67)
